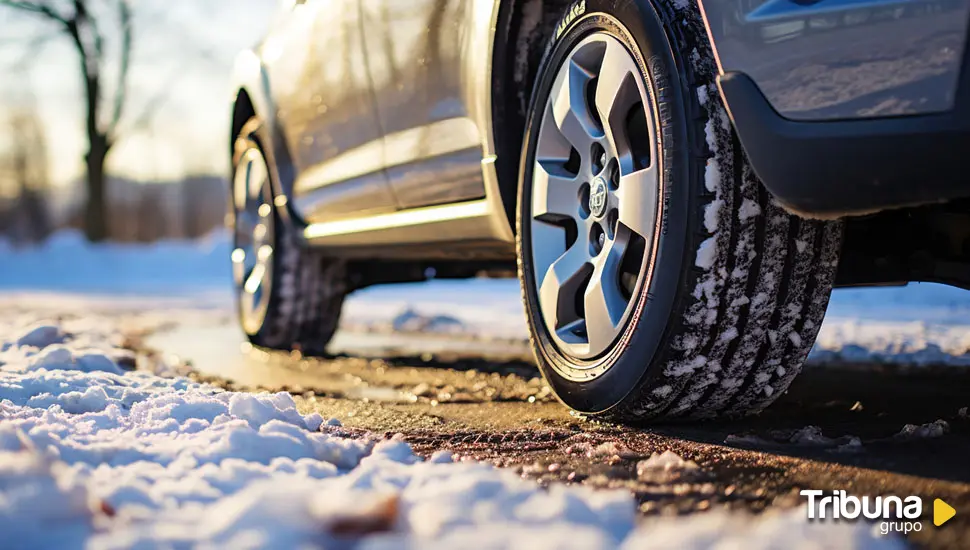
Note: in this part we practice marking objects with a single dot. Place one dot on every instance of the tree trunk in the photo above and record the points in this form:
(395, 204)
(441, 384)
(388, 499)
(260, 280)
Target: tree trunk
(96, 211)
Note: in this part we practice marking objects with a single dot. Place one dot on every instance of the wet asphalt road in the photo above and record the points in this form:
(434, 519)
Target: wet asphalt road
(485, 400)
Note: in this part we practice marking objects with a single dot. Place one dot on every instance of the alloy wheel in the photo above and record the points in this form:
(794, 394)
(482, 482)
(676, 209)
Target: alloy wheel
(253, 239)
(595, 192)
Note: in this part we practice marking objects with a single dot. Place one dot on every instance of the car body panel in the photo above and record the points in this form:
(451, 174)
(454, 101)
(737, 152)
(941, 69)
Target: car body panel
(345, 163)
(844, 59)
(314, 58)
(415, 51)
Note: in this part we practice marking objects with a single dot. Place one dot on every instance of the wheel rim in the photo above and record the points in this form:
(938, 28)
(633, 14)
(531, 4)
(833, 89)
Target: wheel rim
(594, 197)
(254, 239)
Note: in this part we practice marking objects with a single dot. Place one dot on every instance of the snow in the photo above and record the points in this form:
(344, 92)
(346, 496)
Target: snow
(809, 436)
(483, 308)
(937, 428)
(113, 458)
(788, 530)
(918, 324)
(712, 172)
(749, 209)
(668, 467)
(68, 263)
(711, 213)
(706, 253)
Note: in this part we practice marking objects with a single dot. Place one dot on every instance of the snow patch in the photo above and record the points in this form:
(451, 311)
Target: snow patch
(668, 467)
(118, 460)
(706, 253)
(809, 436)
(42, 336)
(772, 530)
(916, 343)
(711, 213)
(712, 172)
(937, 428)
(68, 263)
(749, 209)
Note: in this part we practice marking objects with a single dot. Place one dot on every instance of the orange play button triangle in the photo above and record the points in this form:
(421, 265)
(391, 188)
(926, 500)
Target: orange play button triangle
(942, 512)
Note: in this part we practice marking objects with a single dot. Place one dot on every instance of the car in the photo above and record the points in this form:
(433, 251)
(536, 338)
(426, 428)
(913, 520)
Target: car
(677, 195)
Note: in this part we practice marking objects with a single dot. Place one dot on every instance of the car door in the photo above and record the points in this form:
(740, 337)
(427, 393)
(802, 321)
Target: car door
(432, 147)
(325, 107)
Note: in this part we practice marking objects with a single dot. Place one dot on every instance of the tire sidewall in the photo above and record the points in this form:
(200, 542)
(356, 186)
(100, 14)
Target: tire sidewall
(604, 382)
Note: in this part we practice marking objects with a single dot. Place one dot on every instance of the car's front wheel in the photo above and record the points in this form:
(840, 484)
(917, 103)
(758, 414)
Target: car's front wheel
(660, 279)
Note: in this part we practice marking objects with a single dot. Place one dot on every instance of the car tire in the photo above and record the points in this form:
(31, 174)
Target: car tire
(289, 296)
(731, 288)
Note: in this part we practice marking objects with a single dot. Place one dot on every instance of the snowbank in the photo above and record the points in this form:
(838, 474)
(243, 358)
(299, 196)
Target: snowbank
(94, 455)
(68, 263)
(918, 324)
(482, 308)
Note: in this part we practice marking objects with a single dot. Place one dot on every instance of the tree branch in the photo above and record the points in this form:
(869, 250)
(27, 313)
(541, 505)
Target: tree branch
(39, 7)
(121, 90)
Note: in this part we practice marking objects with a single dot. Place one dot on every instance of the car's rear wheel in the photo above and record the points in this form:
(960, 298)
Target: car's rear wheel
(660, 279)
(289, 296)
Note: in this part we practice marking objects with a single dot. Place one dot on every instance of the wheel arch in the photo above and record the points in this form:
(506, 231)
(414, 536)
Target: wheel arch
(522, 32)
(252, 98)
(242, 110)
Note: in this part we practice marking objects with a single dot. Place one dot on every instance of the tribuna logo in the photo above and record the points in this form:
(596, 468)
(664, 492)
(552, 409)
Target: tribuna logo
(838, 505)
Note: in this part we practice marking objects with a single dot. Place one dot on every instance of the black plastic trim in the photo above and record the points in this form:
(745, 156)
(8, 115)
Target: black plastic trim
(852, 166)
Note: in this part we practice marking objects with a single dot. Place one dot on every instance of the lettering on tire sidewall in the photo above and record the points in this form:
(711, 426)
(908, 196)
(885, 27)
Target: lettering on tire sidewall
(573, 13)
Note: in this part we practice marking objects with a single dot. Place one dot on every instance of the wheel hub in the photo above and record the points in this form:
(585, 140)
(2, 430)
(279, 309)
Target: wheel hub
(598, 195)
(596, 143)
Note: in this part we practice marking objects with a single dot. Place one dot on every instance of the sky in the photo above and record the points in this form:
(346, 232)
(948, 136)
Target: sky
(183, 53)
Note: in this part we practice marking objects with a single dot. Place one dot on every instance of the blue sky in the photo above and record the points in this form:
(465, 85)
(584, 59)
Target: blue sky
(186, 47)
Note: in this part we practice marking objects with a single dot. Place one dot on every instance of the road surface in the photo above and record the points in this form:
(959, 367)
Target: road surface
(838, 428)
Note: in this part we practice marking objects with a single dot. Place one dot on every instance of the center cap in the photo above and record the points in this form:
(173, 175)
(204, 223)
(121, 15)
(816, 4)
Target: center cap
(597, 197)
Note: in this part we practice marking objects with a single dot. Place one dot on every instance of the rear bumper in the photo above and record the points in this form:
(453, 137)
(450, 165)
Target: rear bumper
(832, 168)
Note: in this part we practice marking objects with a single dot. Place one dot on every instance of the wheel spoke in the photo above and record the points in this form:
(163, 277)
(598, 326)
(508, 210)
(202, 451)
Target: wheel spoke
(560, 285)
(616, 92)
(603, 300)
(554, 193)
(569, 107)
(255, 278)
(256, 181)
(247, 299)
(638, 201)
(240, 187)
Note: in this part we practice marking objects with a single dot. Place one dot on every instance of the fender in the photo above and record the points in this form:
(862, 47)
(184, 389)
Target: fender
(249, 75)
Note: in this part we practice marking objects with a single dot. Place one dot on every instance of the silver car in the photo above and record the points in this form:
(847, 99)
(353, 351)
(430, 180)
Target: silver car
(674, 182)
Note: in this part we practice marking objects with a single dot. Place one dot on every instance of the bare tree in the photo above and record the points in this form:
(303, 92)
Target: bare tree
(103, 110)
